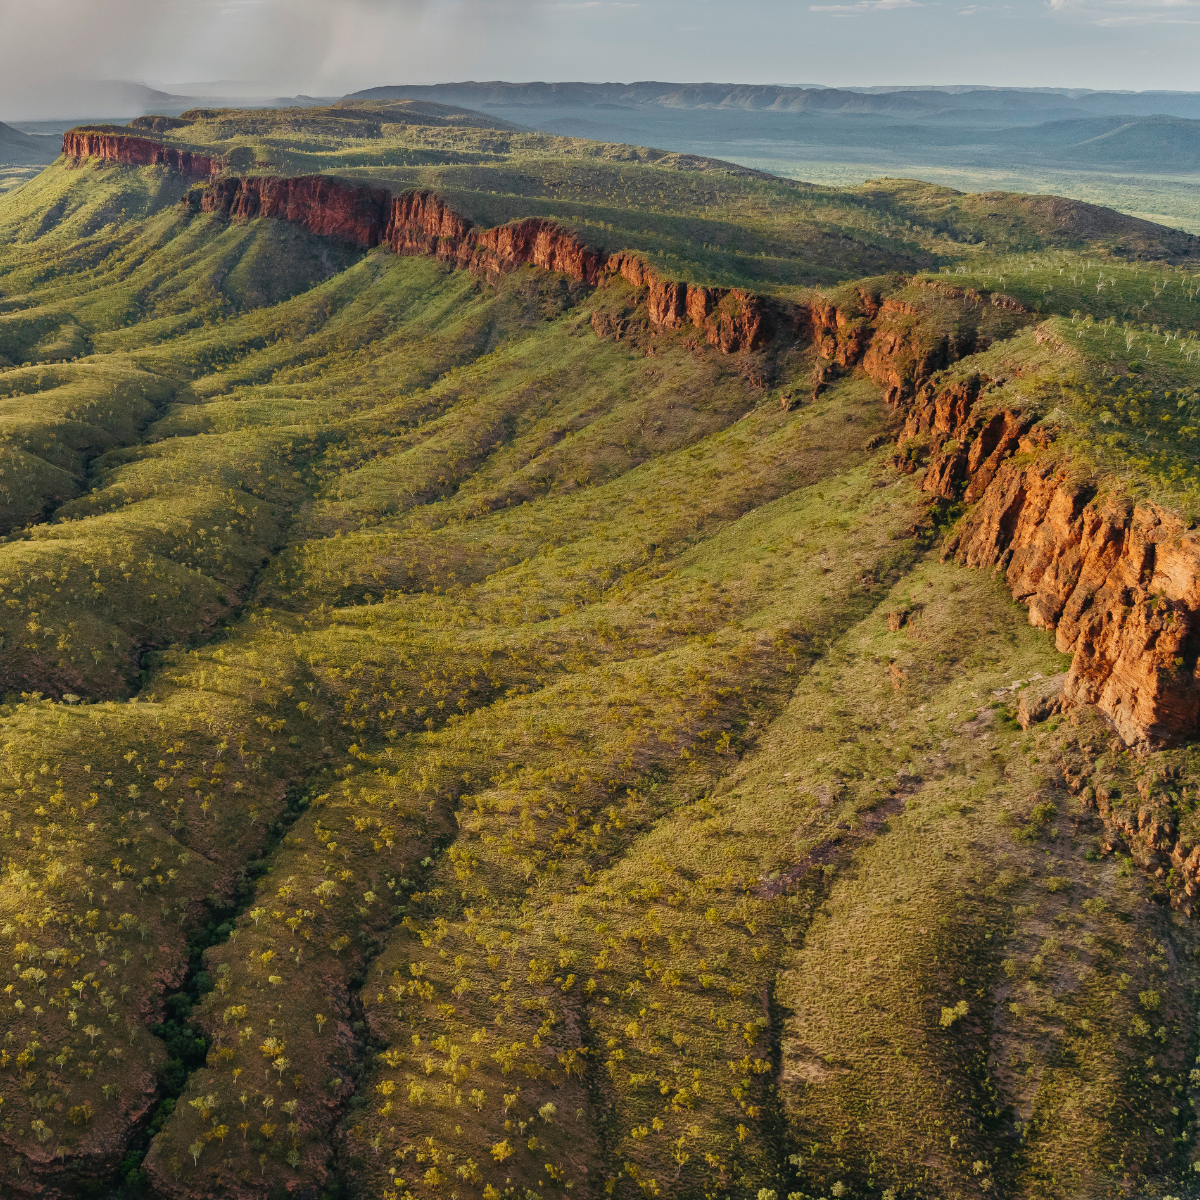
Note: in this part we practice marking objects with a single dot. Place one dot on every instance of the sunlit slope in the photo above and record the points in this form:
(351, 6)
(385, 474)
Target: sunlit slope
(499, 764)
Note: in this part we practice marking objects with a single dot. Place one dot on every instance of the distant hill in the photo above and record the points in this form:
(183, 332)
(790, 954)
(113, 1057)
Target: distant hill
(22, 149)
(425, 112)
(1156, 141)
(748, 97)
(1130, 141)
(80, 99)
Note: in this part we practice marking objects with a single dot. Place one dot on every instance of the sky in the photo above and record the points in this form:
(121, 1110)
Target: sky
(53, 51)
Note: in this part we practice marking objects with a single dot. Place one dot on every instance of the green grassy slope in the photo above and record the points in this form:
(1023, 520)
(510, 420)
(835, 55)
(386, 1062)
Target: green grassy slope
(445, 753)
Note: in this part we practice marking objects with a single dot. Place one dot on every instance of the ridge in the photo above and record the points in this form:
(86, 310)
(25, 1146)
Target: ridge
(1119, 585)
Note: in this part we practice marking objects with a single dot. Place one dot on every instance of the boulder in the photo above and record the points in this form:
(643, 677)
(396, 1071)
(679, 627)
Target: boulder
(1040, 700)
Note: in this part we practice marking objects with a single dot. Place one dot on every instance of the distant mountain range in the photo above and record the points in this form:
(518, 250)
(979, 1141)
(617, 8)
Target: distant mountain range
(1021, 105)
(780, 127)
(1138, 132)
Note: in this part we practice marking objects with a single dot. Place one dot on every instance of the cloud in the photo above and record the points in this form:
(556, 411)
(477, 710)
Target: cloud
(865, 6)
(51, 50)
(1113, 14)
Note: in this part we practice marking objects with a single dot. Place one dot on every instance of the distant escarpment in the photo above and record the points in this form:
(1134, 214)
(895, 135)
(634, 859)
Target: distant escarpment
(1118, 584)
(421, 223)
(136, 152)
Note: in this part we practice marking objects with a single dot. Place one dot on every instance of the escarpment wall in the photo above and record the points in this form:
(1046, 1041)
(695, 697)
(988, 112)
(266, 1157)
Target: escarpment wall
(1118, 584)
(422, 223)
(136, 152)
(317, 203)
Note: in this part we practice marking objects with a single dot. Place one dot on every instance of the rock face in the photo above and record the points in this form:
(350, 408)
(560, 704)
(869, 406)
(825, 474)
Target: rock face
(1118, 583)
(136, 152)
(729, 318)
(317, 203)
(893, 340)
(421, 223)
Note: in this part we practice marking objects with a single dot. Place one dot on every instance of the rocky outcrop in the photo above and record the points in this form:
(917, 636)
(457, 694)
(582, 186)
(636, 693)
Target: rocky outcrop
(1152, 826)
(136, 152)
(894, 341)
(422, 223)
(729, 318)
(1041, 700)
(1118, 583)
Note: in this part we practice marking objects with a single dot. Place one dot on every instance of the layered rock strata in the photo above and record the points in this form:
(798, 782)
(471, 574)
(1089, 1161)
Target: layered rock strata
(136, 152)
(1117, 583)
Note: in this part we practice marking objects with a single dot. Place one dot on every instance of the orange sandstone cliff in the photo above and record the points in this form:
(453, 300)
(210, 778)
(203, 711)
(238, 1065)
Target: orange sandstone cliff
(1117, 583)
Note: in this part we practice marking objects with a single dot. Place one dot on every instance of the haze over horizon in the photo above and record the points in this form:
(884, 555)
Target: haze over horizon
(329, 47)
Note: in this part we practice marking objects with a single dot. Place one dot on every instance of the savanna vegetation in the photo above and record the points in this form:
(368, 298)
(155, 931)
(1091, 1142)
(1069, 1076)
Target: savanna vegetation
(446, 753)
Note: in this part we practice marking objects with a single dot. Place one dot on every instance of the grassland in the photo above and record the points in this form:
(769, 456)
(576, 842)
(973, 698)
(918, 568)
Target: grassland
(449, 754)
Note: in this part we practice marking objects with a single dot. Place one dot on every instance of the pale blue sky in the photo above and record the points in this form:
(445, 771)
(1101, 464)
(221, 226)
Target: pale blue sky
(332, 46)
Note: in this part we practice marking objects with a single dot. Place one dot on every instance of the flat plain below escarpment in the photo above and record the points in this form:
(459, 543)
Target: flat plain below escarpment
(499, 735)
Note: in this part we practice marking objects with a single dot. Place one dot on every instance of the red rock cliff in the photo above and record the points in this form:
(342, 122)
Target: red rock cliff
(317, 203)
(421, 223)
(1117, 583)
(729, 318)
(135, 152)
